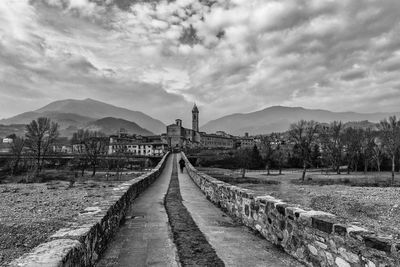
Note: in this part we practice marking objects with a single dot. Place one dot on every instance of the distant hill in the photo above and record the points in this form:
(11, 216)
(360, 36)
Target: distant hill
(18, 129)
(97, 110)
(64, 119)
(361, 125)
(279, 118)
(73, 114)
(111, 125)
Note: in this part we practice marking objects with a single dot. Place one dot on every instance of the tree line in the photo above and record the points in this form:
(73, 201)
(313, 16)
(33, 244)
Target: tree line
(328, 147)
(331, 146)
(37, 143)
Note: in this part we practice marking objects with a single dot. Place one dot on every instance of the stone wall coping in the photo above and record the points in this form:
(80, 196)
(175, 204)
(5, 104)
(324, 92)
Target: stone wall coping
(77, 244)
(323, 223)
(40, 256)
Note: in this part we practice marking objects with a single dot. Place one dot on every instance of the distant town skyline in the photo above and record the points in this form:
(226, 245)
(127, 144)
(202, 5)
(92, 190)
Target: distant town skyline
(232, 56)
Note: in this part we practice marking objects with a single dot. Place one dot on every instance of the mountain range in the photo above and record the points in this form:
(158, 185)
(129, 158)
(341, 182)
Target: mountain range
(90, 114)
(73, 114)
(279, 118)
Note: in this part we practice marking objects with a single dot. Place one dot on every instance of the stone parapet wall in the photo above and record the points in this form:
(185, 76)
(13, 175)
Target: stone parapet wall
(313, 237)
(83, 242)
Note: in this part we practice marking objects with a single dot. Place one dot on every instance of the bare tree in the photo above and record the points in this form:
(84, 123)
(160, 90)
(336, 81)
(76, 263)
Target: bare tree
(367, 138)
(81, 158)
(268, 151)
(94, 145)
(17, 147)
(120, 153)
(244, 159)
(352, 146)
(332, 144)
(390, 130)
(377, 153)
(304, 134)
(41, 134)
(279, 155)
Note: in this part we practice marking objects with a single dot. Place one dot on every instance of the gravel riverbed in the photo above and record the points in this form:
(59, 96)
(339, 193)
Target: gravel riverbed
(30, 213)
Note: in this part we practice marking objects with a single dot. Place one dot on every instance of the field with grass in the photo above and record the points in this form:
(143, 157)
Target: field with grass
(363, 199)
(31, 213)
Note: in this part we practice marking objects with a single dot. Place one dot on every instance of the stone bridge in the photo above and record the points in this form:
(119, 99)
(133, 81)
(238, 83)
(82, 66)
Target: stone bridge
(168, 218)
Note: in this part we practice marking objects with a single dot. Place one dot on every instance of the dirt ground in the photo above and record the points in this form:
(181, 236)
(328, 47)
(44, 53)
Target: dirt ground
(193, 247)
(30, 213)
(376, 208)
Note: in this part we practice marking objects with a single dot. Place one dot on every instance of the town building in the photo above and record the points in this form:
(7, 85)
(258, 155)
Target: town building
(154, 145)
(138, 149)
(246, 141)
(179, 136)
(216, 141)
(7, 140)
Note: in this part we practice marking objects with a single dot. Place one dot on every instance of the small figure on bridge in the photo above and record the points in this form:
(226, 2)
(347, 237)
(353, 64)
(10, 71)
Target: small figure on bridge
(182, 164)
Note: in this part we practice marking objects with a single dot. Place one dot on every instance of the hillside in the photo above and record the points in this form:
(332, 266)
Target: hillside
(278, 119)
(111, 125)
(97, 110)
(74, 114)
(18, 129)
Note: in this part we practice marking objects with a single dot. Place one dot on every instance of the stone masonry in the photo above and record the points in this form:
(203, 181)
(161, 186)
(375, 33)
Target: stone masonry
(313, 237)
(82, 243)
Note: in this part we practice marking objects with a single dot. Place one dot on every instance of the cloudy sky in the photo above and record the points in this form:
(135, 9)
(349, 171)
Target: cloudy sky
(226, 55)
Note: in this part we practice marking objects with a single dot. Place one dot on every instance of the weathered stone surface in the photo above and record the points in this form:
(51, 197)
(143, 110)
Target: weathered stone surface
(281, 208)
(342, 263)
(80, 244)
(323, 224)
(378, 243)
(348, 256)
(314, 237)
(312, 249)
(61, 252)
(340, 229)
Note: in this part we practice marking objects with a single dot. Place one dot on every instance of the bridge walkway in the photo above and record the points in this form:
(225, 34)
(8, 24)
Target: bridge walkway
(145, 239)
(234, 244)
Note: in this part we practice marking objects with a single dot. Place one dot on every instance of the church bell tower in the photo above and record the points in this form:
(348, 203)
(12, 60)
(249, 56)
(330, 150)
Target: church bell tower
(195, 118)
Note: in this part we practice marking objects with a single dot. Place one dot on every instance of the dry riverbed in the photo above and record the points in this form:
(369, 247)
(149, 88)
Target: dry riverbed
(30, 213)
(376, 208)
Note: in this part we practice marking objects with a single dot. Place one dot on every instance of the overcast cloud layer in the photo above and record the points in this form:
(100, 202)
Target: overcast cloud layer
(226, 55)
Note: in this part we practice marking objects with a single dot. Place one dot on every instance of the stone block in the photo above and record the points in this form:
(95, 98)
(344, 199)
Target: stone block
(340, 229)
(341, 262)
(281, 208)
(247, 210)
(322, 224)
(53, 254)
(348, 256)
(321, 245)
(382, 244)
(312, 249)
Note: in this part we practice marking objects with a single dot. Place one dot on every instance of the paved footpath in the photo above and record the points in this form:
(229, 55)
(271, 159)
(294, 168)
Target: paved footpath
(145, 239)
(235, 245)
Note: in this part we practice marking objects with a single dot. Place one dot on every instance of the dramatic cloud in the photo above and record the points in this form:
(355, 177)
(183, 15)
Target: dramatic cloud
(225, 55)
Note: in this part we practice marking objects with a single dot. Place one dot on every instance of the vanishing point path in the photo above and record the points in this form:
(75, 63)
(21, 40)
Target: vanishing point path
(199, 235)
